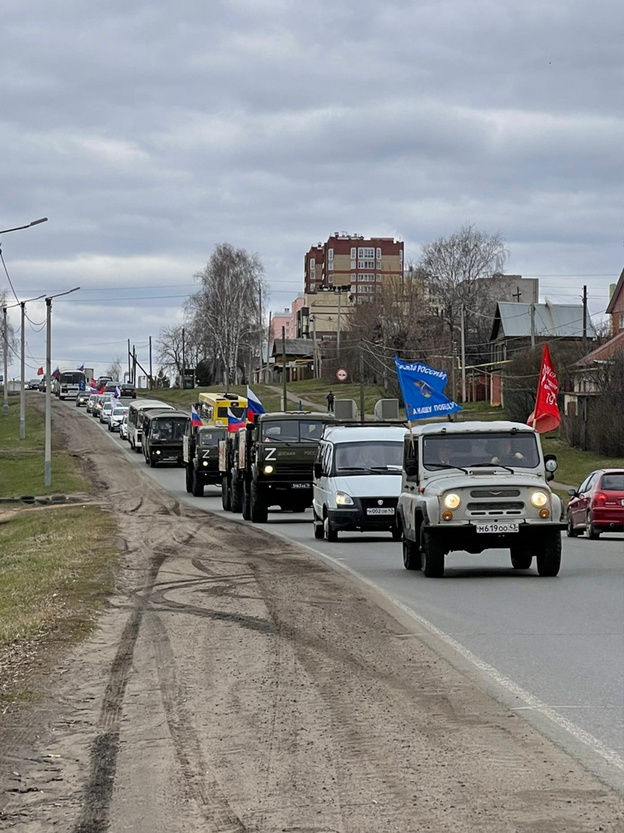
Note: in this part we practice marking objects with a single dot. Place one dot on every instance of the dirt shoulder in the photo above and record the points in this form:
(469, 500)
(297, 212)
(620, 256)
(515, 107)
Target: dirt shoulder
(237, 684)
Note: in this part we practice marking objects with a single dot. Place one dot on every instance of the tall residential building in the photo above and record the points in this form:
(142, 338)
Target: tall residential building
(354, 264)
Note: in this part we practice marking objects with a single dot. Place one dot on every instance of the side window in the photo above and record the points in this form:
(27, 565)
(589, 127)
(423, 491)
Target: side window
(326, 459)
(410, 458)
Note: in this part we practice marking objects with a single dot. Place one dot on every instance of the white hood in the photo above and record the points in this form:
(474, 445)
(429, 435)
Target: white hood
(369, 485)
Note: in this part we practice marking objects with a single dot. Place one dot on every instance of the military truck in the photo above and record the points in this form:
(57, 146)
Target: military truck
(162, 435)
(200, 454)
(474, 486)
(278, 451)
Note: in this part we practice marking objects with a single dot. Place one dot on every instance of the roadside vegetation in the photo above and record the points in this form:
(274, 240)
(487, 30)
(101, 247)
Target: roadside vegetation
(57, 560)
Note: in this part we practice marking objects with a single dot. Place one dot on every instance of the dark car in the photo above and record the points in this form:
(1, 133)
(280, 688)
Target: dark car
(32, 384)
(598, 504)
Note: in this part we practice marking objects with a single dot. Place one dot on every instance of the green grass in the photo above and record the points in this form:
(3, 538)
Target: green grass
(56, 571)
(22, 461)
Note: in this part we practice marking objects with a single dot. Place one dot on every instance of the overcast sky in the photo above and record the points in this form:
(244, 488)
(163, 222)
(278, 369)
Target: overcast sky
(150, 132)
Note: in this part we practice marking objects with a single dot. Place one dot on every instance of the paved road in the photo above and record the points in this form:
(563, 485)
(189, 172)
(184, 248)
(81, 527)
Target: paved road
(551, 648)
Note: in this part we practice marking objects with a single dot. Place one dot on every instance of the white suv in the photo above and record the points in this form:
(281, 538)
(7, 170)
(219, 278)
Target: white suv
(357, 479)
(474, 486)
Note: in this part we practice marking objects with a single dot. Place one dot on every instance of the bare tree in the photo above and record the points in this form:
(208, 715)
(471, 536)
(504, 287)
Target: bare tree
(114, 371)
(455, 268)
(226, 309)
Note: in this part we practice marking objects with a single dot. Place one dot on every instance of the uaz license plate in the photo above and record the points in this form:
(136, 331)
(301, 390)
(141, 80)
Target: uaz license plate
(497, 527)
(382, 510)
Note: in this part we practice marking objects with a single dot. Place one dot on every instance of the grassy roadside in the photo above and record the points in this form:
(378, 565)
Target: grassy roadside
(57, 562)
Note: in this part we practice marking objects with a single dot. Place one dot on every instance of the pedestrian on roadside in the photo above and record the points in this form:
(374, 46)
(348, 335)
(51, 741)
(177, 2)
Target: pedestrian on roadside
(330, 402)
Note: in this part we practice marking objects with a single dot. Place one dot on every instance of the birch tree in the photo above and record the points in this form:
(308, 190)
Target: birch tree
(226, 309)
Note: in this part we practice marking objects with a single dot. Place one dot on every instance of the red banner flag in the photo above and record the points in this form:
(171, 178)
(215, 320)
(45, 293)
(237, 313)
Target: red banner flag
(545, 416)
(40, 372)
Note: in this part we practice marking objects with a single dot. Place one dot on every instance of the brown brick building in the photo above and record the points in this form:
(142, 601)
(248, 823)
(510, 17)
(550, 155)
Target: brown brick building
(354, 264)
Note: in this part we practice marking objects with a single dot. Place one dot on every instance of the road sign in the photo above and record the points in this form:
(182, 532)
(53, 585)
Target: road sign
(341, 374)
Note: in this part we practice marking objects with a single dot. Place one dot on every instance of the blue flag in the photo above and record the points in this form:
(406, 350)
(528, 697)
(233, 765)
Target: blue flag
(422, 388)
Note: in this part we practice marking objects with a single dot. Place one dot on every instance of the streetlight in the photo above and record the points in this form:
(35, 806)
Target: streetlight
(5, 409)
(19, 228)
(22, 426)
(47, 454)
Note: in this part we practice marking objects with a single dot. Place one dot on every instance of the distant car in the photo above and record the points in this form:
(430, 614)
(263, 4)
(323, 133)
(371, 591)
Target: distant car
(97, 405)
(106, 410)
(82, 398)
(123, 427)
(116, 415)
(32, 384)
(598, 504)
(91, 402)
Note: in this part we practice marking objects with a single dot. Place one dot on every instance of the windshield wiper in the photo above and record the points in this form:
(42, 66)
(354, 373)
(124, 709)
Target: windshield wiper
(490, 466)
(386, 468)
(445, 466)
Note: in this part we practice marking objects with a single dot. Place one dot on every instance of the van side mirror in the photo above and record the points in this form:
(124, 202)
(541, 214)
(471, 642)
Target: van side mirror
(318, 470)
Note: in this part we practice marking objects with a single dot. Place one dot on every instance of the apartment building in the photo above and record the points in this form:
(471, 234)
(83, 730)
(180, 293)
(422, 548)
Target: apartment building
(353, 264)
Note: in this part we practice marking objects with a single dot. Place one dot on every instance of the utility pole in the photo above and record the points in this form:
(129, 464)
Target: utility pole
(183, 363)
(261, 340)
(463, 351)
(585, 318)
(130, 376)
(314, 347)
(285, 407)
(5, 360)
(338, 330)
(362, 414)
(268, 345)
(150, 381)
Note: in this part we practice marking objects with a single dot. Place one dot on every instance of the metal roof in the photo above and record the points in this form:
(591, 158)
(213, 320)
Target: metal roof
(550, 321)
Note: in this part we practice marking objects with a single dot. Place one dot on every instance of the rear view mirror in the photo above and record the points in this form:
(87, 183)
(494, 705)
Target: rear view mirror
(411, 468)
(318, 470)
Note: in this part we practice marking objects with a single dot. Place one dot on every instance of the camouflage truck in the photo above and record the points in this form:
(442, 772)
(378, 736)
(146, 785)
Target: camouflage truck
(278, 451)
(200, 454)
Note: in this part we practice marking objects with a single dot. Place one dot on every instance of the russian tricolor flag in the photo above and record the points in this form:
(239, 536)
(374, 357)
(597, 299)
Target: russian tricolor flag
(196, 420)
(254, 406)
(235, 423)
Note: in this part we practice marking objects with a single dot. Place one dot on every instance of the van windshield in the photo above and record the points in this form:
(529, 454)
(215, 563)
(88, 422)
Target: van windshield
(377, 456)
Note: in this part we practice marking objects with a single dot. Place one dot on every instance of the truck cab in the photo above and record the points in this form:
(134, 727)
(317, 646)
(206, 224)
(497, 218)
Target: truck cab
(200, 453)
(474, 486)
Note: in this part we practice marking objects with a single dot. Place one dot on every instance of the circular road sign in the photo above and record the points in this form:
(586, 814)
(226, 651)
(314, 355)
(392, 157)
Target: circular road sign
(341, 374)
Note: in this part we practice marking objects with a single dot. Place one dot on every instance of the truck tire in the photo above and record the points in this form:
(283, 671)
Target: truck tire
(549, 556)
(246, 507)
(189, 477)
(432, 554)
(259, 510)
(412, 559)
(198, 485)
(226, 495)
(236, 496)
(521, 557)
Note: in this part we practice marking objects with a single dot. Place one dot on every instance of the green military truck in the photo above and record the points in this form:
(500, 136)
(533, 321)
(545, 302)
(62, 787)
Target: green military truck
(200, 453)
(278, 451)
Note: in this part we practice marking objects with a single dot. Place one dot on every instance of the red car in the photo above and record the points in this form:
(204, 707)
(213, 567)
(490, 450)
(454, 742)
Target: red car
(598, 504)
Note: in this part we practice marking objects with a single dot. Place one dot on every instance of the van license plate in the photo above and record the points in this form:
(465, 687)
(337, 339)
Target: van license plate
(383, 510)
(497, 527)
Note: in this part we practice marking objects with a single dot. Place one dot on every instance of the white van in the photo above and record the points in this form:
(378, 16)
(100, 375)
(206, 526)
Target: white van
(135, 421)
(357, 479)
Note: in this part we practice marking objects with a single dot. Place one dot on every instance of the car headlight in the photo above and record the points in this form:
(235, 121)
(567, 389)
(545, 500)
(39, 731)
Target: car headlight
(451, 501)
(343, 499)
(539, 499)
(268, 469)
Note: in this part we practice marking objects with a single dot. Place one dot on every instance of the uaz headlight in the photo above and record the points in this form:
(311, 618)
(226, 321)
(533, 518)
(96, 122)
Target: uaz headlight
(451, 501)
(539, 499)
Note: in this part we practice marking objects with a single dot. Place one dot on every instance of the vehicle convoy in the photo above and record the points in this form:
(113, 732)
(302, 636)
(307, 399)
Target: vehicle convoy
(162, 435)
(213, 407)
(475, 486)
(68, 384)
(357, 479)
(200, 453)
(136, 411)
(276, 456)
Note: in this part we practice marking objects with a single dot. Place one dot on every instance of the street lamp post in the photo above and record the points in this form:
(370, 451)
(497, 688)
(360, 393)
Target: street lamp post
(22, 426)
(5, 351)
(47, 452)
(5, 409)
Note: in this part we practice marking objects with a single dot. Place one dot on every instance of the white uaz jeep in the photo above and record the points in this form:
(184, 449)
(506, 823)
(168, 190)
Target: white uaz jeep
(474, 486)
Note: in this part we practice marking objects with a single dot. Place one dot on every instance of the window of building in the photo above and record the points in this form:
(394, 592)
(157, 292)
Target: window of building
(330, 264)
(353, 253)
(366, 252)
(330, 254)
(378, 254)
(366, 264)
(352, 262)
